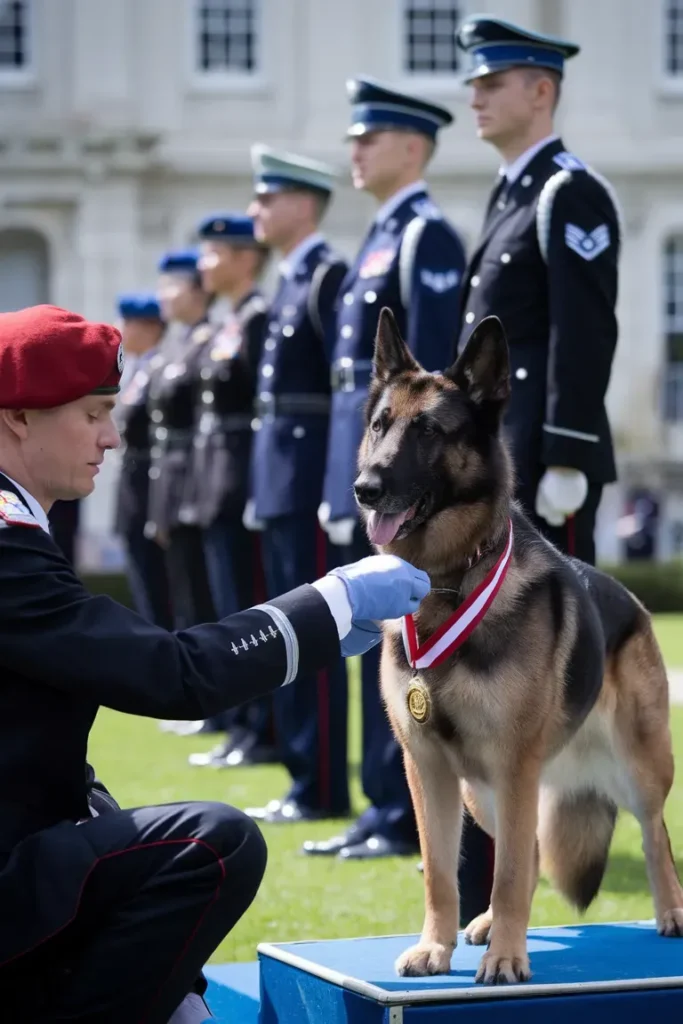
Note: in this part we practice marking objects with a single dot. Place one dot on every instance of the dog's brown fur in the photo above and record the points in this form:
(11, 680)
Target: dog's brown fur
(554, 713)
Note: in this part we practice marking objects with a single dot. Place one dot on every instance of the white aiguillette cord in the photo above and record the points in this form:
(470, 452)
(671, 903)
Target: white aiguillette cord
(458, 627)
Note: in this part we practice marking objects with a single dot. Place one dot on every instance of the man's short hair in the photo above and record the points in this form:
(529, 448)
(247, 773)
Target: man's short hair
(535, 74)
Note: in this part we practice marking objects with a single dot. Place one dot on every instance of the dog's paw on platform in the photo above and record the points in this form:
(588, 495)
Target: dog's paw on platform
(424, 959)
(671, 924)
(478, 930)
(506, 968)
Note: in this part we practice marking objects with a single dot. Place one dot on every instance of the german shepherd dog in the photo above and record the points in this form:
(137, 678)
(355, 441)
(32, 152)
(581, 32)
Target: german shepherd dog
(554, 711)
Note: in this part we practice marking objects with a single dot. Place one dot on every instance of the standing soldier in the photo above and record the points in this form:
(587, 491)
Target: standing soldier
(412, 260)
(142, 329)
(288, 463)
(231, 262)
(546, 264)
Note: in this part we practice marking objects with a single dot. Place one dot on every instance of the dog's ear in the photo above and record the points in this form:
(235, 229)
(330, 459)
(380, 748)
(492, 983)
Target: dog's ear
(392, 355)
(482, 370)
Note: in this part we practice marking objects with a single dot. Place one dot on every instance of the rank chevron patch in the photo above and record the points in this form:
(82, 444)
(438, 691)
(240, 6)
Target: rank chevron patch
(586, 244)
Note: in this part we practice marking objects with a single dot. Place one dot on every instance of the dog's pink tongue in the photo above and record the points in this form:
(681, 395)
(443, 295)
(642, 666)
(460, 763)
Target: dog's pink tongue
(383, 527)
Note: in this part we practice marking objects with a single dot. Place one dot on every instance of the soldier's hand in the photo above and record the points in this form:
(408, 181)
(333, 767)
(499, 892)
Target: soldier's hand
(249, 520)
(382, 587)
(561, 493)
(363, 636)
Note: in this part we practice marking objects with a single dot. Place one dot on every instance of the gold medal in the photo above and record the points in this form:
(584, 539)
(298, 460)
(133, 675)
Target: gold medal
(419, 701)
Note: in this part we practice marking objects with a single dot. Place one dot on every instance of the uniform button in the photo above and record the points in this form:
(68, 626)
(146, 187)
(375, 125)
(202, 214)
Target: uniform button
(505, 258)
(348, 299)
(154, 473)
(256, 424)
(288, 330)
(501, 204)
(205, 373)
(475, 281)
(370, 297)
(521, 373)
(267, 371)
(157, 416)
(289, 311)
(207, 397)
(269, 345)
(273, 326)
(299, 432)
(469, 318)
(526, 181)
(346, 331)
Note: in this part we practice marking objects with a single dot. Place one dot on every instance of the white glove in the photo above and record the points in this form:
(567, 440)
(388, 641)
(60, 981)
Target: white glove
(249, 520)
(339, 532)
(560, 494)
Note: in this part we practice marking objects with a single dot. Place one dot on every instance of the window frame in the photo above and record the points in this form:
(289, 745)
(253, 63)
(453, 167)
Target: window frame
(225, 81)
(669, 82)
(21, 77)
(673, 368)
(428, 83)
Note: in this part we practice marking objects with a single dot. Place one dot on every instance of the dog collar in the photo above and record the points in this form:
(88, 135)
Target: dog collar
(464, 620)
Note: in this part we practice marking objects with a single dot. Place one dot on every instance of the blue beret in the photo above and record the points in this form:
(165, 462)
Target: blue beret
(179, 261)
(227, 227)
(139, 306)
(376, 107)
(493, 45)
(277, 171)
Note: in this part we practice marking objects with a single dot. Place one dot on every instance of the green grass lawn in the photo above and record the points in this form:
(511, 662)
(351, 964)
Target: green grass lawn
(312, 899)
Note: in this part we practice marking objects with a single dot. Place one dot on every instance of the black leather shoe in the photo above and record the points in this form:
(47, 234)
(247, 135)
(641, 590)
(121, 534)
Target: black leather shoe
(292, 811)
(331, 847)
(261, 813)
(377, 846)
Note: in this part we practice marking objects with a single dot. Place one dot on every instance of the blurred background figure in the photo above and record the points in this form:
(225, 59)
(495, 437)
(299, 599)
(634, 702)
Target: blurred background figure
(231, 263)
(292, 194)
(142, 330)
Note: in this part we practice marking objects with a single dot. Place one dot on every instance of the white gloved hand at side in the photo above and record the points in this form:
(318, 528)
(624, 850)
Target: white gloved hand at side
(249, 520)
(561, 493)
(340, 532)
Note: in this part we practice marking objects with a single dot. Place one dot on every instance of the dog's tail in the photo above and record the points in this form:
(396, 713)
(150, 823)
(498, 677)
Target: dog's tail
(574, 838)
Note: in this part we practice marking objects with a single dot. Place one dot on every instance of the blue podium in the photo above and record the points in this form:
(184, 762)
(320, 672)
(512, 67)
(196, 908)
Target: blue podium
(591, 973)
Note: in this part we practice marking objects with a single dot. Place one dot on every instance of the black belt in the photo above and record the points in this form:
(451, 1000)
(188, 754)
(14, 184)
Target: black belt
(291, 405)
(348, 374)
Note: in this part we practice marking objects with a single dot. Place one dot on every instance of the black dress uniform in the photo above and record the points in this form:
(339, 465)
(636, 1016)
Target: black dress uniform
(157, 876)
(145, 561)
(287, 468)
(546, 264)
(412, 260)
(173, 398)
(218, 482)
(108, 915)
(64, 522)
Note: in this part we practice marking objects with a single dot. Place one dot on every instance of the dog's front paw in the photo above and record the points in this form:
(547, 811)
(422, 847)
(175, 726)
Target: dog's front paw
(671, 924)
(478, 930)
(503, 968)
(425, 958)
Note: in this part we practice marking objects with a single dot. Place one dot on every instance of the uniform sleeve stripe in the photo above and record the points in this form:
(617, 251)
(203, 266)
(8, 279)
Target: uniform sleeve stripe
(288, 635)
(544, 209)
(578, 435)
(406, 257)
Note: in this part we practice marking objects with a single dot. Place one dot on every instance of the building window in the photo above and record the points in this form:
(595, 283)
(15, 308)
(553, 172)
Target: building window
(429, 28)
(227, 36)
(673, 326)
(673, 37)
(14, 32)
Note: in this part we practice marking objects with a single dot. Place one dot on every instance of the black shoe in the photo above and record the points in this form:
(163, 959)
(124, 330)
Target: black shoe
(260, 813)
(377, 846)
(331, 847)
(291, 811)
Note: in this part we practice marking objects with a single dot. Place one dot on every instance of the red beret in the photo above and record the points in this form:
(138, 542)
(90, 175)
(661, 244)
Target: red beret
(49, 356)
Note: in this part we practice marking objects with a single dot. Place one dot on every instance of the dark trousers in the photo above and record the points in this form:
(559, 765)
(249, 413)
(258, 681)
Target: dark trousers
(383, 777)
(235, 571)
(577, 538)
(168, 885)
(188, 577)
(310, 715)
(148, 579)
